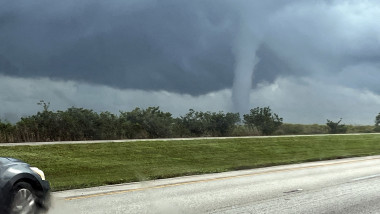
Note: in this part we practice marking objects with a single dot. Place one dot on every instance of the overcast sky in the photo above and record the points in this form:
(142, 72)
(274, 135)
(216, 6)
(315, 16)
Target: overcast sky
(308, 60)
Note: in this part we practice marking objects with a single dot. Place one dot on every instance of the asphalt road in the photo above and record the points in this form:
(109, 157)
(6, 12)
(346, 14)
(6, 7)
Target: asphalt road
(337, 186)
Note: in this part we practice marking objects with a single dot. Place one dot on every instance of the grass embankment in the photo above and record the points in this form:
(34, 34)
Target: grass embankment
(84, 165)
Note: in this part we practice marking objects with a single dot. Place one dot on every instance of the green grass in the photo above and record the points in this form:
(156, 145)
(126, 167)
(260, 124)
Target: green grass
(84, 165)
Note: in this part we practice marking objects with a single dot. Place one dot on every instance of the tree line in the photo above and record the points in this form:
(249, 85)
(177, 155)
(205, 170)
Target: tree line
(85, 124)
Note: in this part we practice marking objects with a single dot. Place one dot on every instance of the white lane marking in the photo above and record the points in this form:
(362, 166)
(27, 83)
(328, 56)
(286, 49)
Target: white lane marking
(366, 177)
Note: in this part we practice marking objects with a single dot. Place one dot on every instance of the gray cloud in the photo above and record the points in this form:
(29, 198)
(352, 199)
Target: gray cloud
(189, 47)
(167, 45)
(302, 100)
(183, 46)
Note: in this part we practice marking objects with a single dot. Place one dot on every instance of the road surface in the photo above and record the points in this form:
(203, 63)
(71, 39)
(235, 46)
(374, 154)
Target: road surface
(336, 186)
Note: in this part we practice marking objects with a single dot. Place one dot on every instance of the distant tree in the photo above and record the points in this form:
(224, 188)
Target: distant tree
(157, 123)
(47, 125)
(44, 105)
(128, 127)
(150, 122)
(377, 123)
(192, 124)
(108, 126)
(336, 127)
(27, 129)
(198, 123)
(7, 131)
(79, 124)
(377, 120)
(221, 124)
(263, 120)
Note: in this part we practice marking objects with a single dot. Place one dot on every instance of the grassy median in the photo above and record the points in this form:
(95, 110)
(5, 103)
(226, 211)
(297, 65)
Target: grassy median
(84, 165)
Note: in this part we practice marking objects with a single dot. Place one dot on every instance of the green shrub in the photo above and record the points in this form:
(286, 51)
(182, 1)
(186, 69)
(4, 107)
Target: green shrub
(376, 129)
(263, 120)
(336, 127)
(242, 130)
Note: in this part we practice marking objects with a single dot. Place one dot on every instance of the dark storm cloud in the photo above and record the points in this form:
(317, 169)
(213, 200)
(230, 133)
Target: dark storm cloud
(144, 45)
(186, 46)
(182, 46)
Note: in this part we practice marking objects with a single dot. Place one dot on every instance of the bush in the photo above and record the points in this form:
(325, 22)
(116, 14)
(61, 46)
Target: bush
(301, 129)
(335, 127)
(359, 129)
(242, 130)
(291, 129)
(197, 123)
(377, 120)
(263, 120)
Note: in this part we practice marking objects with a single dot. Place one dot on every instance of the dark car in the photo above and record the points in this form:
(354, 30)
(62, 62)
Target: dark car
(23, 189)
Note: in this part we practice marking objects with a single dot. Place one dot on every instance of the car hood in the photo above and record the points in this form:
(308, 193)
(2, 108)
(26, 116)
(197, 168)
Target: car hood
(7, 160)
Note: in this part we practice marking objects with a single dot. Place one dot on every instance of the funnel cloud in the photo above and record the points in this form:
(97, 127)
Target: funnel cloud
(246, 46)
